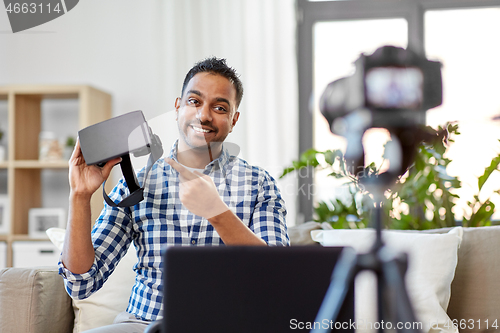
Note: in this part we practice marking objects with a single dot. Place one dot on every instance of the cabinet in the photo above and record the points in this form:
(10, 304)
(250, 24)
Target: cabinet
(31, 254)
(23, 177)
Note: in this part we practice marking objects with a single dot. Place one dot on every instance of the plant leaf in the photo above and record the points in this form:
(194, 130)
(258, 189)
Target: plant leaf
(488, 171)
(482, 215)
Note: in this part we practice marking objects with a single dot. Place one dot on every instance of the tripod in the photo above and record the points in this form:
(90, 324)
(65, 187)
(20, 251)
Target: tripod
(393, 305)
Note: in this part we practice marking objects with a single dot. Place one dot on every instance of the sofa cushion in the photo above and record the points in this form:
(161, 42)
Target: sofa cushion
(34, 300)
(101, 308)
(301, 234)
(432, 262)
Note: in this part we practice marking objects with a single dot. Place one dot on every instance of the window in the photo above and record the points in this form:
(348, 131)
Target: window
(469, 53)
(332, 62)
(332, 34)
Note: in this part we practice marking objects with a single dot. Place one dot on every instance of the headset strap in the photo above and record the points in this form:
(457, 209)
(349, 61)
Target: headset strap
(136, 192)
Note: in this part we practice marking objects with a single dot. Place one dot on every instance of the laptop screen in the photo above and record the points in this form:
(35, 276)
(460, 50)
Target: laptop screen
(247, 289)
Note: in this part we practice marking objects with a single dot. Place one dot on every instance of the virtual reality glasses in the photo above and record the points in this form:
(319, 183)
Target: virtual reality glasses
(118, 137)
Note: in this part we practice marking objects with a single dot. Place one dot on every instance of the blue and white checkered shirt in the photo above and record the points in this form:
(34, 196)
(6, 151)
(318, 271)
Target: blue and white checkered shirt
(161, 220)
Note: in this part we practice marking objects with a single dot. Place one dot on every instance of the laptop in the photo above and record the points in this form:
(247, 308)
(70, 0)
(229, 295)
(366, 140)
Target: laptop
(248, 289)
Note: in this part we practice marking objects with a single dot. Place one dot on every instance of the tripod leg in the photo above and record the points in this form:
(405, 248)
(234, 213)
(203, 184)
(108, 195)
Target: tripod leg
(342, 277)
(381, 308)
(397, 300)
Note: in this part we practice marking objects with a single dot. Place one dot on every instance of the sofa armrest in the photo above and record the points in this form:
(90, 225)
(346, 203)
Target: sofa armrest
(33, 300)
(475, 296)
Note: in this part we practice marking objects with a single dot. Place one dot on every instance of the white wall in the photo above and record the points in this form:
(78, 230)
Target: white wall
(114, 45)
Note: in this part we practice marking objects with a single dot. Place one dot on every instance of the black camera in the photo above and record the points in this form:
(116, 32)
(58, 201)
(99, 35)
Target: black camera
(394, 84)
(391, 88)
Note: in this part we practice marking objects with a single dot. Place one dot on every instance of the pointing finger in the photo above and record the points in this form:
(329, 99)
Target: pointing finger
(185, 173)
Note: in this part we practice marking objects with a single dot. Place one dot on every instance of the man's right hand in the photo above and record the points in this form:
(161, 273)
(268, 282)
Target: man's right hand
(85, 179)
(78, 251)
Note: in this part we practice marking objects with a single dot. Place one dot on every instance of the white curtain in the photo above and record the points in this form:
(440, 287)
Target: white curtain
(257, 37)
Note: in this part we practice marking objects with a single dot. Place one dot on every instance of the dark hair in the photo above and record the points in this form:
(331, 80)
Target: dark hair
(216, 66)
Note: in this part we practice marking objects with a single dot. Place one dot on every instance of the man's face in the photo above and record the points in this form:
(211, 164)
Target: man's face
(206, 113)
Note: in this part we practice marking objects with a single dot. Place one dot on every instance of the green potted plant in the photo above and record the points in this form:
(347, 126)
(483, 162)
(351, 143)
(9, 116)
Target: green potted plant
(68, 147)
(423, 198)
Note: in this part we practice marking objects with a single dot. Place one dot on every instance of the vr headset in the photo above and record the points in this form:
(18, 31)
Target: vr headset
(118, 137)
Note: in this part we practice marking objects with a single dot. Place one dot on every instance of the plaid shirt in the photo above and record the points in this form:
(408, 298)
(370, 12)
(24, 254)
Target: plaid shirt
(161, 220)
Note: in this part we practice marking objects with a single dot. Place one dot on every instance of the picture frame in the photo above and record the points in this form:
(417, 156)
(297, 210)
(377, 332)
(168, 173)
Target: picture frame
(41, 219)
(4, 214)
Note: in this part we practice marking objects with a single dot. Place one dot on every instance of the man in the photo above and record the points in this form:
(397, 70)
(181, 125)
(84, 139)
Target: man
(199, 195)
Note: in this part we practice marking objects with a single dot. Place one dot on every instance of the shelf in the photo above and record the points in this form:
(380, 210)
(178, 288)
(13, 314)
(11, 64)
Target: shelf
(36, 164)
(47, 91)
(28, 110)
(28, 238)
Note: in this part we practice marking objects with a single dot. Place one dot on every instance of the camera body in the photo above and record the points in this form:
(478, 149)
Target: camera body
(391, 88)
(396, 86)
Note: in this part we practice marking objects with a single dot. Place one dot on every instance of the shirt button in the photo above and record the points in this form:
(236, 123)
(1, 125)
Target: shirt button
(193, 242)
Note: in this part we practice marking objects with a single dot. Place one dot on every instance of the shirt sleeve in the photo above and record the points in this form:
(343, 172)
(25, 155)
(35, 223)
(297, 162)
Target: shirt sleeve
(111, 236)
(268, 218)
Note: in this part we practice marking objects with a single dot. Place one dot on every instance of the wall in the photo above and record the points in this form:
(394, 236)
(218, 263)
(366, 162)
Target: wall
(113, 45)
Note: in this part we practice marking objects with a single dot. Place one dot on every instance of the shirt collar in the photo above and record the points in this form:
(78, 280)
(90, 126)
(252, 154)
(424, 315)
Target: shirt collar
(220, 163)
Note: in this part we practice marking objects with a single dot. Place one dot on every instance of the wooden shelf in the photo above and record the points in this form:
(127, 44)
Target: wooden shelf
(36, 164)
(24, 169)
(49, 90)
(15, 238)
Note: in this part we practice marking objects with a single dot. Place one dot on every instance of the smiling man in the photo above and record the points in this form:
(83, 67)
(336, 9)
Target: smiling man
(206, 114)
(199, 195)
